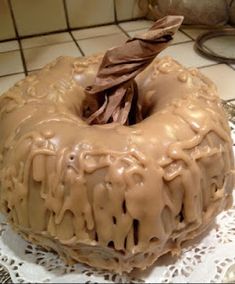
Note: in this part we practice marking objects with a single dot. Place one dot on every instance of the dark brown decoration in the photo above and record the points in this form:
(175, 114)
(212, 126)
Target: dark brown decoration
(113, 96)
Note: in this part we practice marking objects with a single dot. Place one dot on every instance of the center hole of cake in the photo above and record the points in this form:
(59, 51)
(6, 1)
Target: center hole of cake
(107, 108)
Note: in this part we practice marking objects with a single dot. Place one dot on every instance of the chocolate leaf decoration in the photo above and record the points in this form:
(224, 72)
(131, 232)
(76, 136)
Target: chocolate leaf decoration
(114, 95)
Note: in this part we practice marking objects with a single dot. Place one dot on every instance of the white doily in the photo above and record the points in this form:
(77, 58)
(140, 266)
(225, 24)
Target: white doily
(202, 262)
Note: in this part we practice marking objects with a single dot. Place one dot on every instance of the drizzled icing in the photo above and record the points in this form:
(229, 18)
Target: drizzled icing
(113, 196)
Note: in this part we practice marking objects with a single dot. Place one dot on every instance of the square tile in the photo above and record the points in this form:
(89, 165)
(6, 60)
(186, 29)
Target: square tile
(46, 40)
(102, 43)
(88, 13)
(225, 86)
(186, 55)
(6, 25)
(127, 10)
(10, 62)
(8, 81)
(194, 33)
(136, 25)
(133, 33)
(37, 57)
(9, 45)
(178, 38)
(96, 31)
(34, 17)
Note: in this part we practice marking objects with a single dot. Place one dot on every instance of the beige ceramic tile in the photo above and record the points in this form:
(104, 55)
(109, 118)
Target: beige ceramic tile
(194, 33)
(224, 46)
(130, 9)
(224, 77)
(99, 44)
(6, 25)
(136, 25)
(84, 13)
(185, 54)
(34, 17)
(9, 46)
(37, 57)
(133, 33)
(8, 81)
(124, 9)
(46, 40)
(10, 62)
(96, 31)
(178, 38)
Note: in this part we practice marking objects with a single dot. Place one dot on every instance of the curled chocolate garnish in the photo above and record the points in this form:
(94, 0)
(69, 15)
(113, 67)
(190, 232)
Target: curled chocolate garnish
(114, 90)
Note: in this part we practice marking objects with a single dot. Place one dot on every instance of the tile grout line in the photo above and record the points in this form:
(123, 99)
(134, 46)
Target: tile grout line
(8, 51)
(85, 38)
(11, 74)
(182, 42)
(76, 43)
(35, 35)
(66, 30)
(17, 37)
(189, 36)
(115, 12)
(66, 14)
(230, 66)
(122, 30)
(102, 35)
(48, 44)
(7, 39)
(210, 65)
(69, 29)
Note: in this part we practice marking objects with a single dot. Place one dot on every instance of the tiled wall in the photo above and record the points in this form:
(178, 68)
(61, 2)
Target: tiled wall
(131, 9)
(6, 24)
(30, 17)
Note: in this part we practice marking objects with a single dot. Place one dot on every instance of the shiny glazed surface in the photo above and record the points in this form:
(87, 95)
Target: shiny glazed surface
(112, 196)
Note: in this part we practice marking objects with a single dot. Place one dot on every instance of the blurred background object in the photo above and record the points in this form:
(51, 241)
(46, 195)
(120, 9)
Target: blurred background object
(195, 12)
(218, 40)
(232, 12)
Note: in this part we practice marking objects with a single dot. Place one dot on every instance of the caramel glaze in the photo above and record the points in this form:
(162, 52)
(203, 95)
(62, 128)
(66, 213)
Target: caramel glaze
(112, 196)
